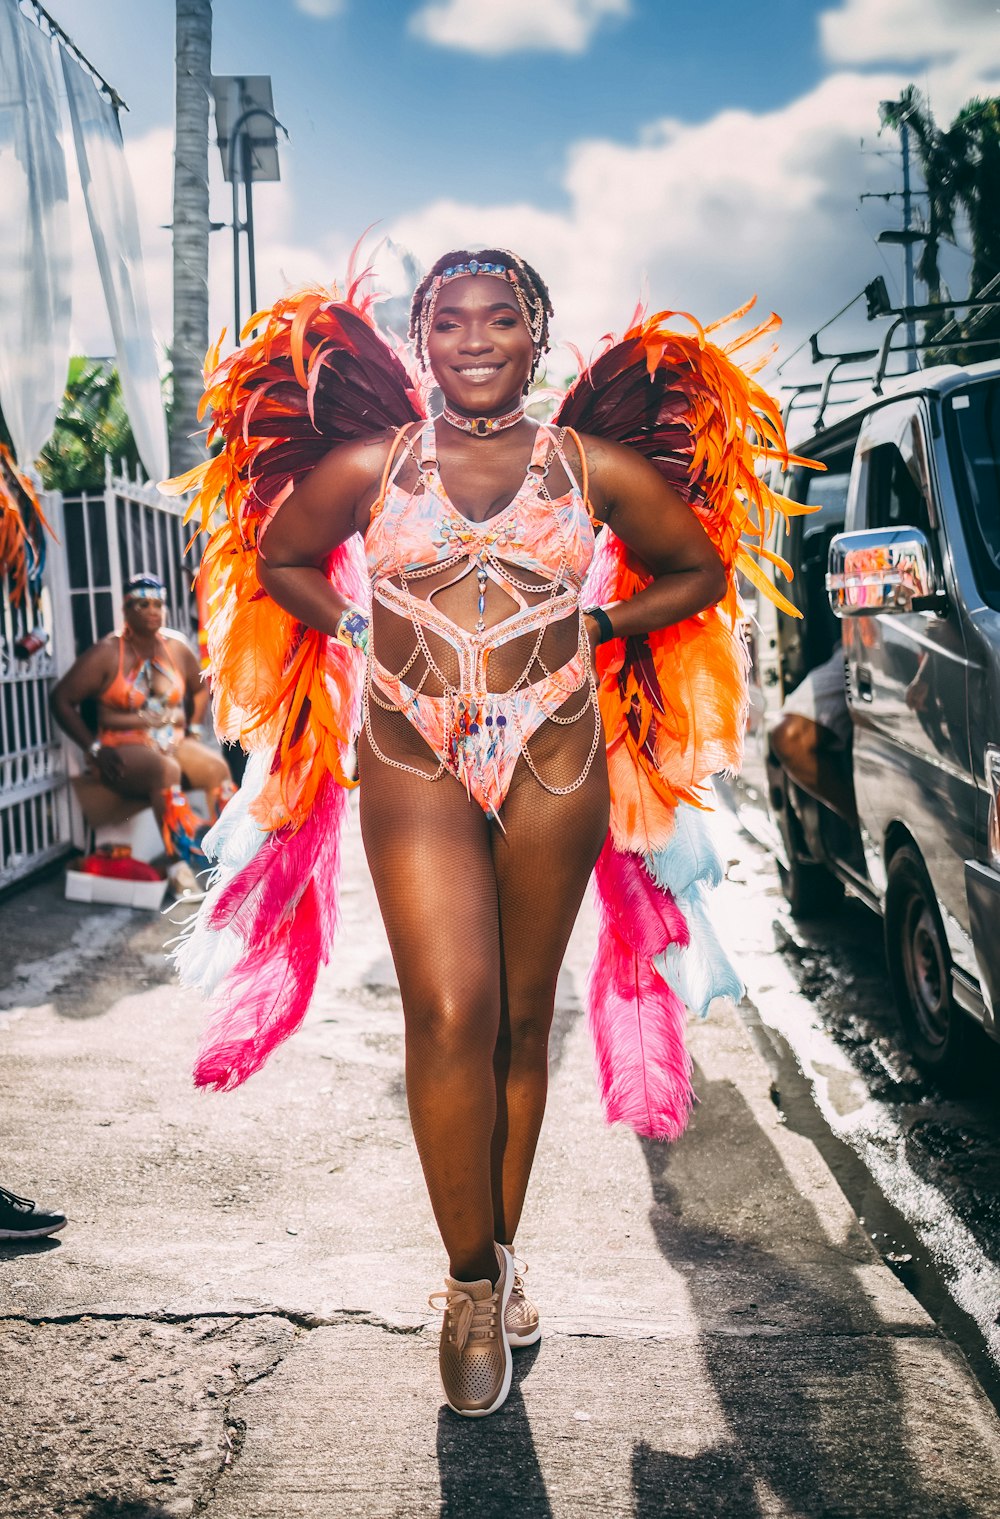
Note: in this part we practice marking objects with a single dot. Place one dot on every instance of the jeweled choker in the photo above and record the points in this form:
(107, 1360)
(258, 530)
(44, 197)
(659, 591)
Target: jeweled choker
(481, 427)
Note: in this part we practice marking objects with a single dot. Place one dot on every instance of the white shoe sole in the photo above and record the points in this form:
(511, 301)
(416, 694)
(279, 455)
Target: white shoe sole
(9, 1234)
(518, 1341)
(501, 1397)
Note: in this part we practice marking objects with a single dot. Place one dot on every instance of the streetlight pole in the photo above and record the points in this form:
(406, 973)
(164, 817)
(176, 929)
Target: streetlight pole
(241, 141)
(247, 154)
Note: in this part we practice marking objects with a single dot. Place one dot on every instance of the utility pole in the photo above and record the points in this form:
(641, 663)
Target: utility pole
(908, 295)
(894, 113)
(190, 228)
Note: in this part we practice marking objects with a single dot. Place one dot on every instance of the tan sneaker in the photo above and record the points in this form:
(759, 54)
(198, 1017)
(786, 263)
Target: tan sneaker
(521, 1323)
(475, 1358)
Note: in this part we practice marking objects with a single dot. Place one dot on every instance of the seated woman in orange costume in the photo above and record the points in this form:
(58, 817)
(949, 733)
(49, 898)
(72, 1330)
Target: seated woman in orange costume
(150, 702)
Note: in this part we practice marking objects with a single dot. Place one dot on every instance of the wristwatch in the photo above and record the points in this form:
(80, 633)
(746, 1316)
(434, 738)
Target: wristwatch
(95, 748)
(603, 621)
(194, 730)
(352, 629)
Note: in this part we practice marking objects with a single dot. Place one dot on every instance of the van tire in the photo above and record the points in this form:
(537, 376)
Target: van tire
(810, 890)
(937, 1030)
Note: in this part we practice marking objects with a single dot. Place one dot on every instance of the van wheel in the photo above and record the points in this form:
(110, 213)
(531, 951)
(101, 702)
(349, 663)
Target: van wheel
(936, 1028)
(811, 890)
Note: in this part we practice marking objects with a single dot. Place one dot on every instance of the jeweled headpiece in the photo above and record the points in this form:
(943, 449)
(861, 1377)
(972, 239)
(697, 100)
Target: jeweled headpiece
(532, 308)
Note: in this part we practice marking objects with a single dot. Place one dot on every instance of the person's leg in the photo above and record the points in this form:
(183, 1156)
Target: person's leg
(815, 759)
(149, 774)
(429, 852)
(204, 769)
(543, 863)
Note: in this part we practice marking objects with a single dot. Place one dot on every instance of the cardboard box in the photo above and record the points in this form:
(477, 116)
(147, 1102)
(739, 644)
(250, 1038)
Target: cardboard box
(83, 887)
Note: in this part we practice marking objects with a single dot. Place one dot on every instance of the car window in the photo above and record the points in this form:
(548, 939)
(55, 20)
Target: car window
(972, 426)
(829, 493)
(894, 498)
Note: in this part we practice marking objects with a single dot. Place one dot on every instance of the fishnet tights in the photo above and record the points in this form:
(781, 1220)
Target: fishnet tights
(478, 923)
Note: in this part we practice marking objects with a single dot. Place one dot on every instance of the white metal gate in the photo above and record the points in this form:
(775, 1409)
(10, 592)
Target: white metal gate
(100, 541)
(131, 529)
(35, 813)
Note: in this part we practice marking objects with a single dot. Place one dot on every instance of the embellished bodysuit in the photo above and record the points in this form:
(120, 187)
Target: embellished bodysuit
(479, 734)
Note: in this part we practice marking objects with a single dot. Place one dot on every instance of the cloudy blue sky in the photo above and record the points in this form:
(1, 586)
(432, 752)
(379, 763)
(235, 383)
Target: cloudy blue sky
(705, 151)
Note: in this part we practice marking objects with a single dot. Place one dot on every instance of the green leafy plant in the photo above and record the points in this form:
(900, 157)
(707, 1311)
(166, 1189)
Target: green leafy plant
(92, 422)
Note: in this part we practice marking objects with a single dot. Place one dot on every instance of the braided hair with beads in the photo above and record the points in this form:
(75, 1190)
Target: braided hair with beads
(529, 288)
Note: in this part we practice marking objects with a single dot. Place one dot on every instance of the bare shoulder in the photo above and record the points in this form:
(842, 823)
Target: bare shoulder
(606, 453)
(92, 670)
(368, 456)
(104, 653)
(614, 469)
(330, 503)
(177, 643)
(350, 474)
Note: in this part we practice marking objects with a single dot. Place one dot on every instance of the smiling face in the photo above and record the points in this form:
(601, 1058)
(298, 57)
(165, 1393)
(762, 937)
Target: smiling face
(479, 349)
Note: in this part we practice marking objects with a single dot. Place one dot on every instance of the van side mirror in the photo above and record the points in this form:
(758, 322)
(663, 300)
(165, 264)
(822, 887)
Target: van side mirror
(882, 570)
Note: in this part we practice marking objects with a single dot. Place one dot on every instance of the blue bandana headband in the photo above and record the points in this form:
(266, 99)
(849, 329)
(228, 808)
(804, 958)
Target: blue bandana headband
(145, 588)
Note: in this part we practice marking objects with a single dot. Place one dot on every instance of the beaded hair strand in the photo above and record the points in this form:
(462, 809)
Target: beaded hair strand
(529, 288)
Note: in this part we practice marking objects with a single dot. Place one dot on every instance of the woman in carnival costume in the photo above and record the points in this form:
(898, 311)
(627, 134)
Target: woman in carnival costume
(532, 631)
(145, 683)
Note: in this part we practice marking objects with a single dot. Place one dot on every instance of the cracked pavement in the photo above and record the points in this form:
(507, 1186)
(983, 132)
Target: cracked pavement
(234, 1324)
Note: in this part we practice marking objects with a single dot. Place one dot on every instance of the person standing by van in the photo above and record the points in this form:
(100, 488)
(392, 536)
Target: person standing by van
(812, 737)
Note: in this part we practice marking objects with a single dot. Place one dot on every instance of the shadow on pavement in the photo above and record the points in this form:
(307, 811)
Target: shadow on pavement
(124, 1508)
(803, 1367)
(9, 1248)
(489, 1466)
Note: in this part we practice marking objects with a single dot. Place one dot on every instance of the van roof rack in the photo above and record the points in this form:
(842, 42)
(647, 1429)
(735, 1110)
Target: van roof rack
(879, 305)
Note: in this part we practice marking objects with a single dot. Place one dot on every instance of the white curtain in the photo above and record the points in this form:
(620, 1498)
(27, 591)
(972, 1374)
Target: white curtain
(34, 236)
(114, 225)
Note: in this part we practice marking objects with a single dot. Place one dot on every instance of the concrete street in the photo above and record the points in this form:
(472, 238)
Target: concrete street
(234, 1321)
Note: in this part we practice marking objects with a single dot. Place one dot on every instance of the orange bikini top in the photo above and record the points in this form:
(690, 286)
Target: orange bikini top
(126, 695)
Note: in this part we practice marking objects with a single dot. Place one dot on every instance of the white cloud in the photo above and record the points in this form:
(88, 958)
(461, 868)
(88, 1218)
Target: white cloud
(495, 27)
(909, 31)
(707, 214)
(322, 10)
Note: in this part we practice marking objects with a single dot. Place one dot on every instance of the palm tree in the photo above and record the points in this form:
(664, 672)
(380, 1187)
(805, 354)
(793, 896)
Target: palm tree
(92, 422)
(961, 168)
(194, 84)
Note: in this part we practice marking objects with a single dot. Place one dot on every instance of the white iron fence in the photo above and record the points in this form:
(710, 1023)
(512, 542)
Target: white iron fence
(128, 530)
(35, 813)
(101, 540)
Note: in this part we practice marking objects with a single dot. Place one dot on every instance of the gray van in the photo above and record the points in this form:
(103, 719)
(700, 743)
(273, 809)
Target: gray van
(900, 569)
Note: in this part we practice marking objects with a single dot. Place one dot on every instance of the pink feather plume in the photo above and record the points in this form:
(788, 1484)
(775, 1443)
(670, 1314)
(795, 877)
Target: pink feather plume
(256, 902)
(636, 1021)
(637, 1024)
(643, 914)
(286, 913)
(262, 1001)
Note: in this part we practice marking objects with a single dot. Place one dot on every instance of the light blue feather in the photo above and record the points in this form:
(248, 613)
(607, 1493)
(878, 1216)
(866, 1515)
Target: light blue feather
(702, 971)
(689, 857)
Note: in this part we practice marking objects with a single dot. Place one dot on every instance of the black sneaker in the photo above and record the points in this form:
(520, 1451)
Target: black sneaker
(22, 1219)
